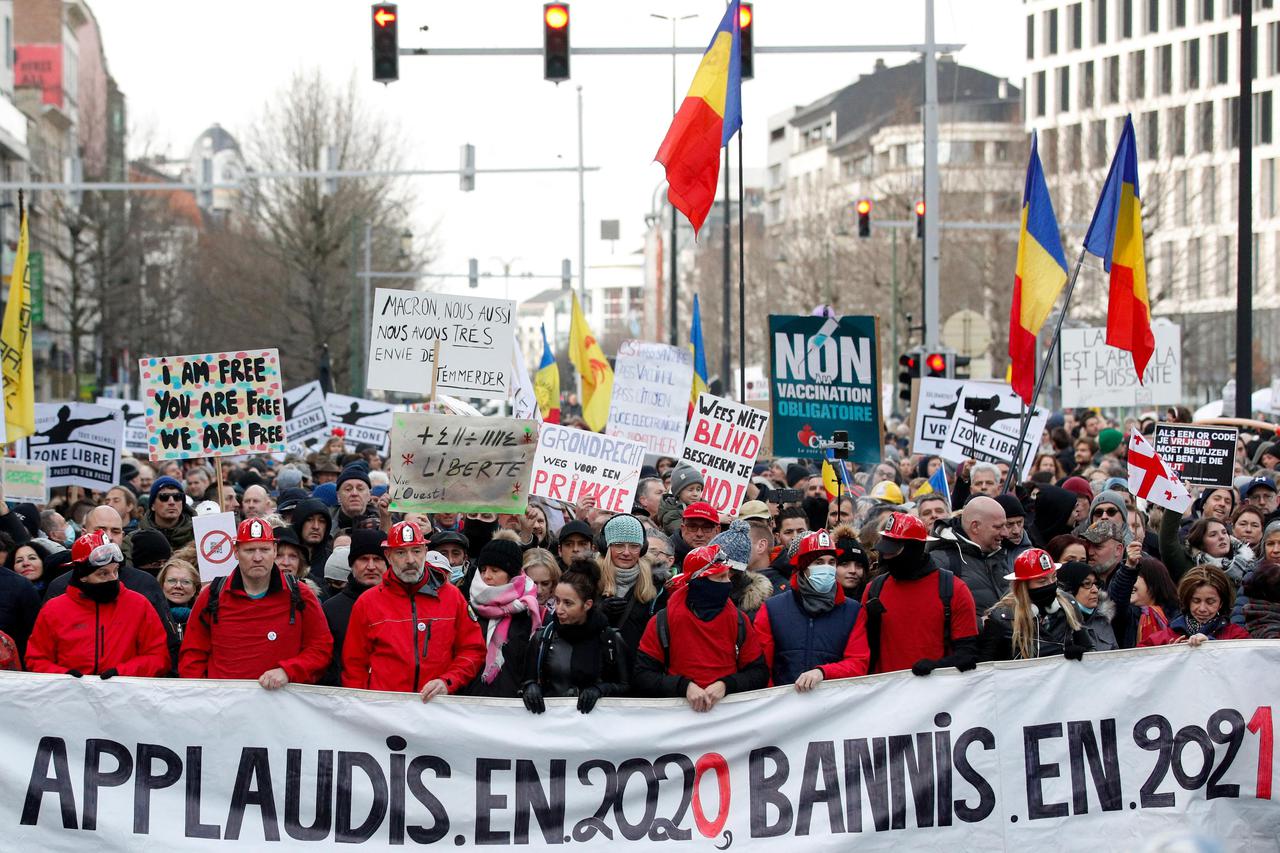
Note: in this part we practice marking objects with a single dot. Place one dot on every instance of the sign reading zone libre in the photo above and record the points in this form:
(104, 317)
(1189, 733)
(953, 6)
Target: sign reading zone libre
(216, 404)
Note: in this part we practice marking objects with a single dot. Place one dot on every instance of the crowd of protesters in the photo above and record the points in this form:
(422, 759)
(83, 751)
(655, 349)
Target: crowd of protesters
(674, 599)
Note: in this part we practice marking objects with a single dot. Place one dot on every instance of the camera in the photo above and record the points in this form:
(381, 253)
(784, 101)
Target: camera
(974, 405)
(785, 496)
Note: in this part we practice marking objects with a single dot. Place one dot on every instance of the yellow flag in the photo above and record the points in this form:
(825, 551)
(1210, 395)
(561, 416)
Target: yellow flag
(593, 367)
(15, 348)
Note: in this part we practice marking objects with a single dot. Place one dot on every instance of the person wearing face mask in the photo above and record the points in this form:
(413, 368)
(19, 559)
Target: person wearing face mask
(1034, 619)
(700, 647)
(412, 631)
(915, 615)
(1093, 606)
(810, 633)
(1205, 595)
(98, 627)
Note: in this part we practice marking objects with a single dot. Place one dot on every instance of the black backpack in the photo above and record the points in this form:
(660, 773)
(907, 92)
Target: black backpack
(210, 615)
(664, 636)
(875, 611)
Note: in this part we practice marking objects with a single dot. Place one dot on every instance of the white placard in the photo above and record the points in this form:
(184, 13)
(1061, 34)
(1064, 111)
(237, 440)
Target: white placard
(650, 402)
(476, 338)
(79, 444)
(306, 423)
(571, 464)
(723, 441)
(1097, 375)
(947, 425)
(135, 422)
(215, 537)
(25, 481)
(362, 421)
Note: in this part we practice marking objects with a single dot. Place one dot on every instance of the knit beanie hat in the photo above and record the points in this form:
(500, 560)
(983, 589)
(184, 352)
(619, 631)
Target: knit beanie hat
(501, 554)
(149, 546)
(1012, 506)
(163, 482)
(1079, 487)
(1072, 574)
(683, 477)
(797, 472)
(365, 542)
(336, 568)
(735, 543)
(326, 493)
(355, 471)
(1109, 440)
(288, 478)
(623, 529)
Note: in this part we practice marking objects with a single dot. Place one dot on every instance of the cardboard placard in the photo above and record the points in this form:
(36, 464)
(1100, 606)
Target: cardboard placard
(79, 443)
(1095, 374)
(25, 481)
(362, 421)
(446, 463)
(135, 422)
(306, 422)
(723, 441)
(650, 401)
(215, 537)
(947, 425)
(1200, 455)
(573, 463)
(476, 338)
(215, 404)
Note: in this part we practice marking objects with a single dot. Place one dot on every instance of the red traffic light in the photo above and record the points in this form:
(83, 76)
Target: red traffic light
(920, 208)
(557, 16)
(864, 206)
(936, 362)
(382, 16)
(907, 360)
(744, 16)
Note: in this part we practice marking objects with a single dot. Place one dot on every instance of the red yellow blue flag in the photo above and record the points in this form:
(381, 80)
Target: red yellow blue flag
(546, 383)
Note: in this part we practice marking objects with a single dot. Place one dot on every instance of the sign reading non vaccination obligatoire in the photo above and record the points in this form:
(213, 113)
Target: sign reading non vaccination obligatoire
(79, 444)
(216, 404)
(25, 481)
(476, 338)
(826, 377)
(723, 440)
(573, 464)
(135, 422)
(447, 463)
(1095, 374)
(1200, 455)
(650, 399)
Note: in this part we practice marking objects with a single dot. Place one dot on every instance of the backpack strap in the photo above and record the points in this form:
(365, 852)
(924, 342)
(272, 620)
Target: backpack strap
(875, 610)
(946, 586)
(742, 634)
(664, 638)
(210, 614)
(295, 597)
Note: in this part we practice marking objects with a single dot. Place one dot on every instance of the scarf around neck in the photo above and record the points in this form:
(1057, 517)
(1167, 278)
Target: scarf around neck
(500, 603)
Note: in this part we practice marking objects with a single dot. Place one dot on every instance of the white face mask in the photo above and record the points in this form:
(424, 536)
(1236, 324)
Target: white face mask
(822, 578)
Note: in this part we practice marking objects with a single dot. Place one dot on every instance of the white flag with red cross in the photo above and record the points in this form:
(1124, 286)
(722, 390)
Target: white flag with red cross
(1151, 479)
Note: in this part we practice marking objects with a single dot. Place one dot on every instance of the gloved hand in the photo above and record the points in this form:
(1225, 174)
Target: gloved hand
(75, 673)
(588, 698)
(108, 673)
(1073, 652)
(533, 700)
(924, 666)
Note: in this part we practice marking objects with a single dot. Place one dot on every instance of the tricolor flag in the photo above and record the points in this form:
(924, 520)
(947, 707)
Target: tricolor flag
(593, 368)
(699, 356)
(832, 469)
(1115, 235)
(707, 119)
(936, 483)
(546, 383)
(1038, 278)
(1151, 479)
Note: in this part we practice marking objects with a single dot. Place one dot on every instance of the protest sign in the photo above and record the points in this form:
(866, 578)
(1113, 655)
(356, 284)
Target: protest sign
(1200, 455)
(1010, 756)
(650, 402)
(215, 537)
(826, 377)
(475, 334)
(216, 404)
(524, 399)
(572, 464)
(135, 422)
(1097, 375)
(362, 421)
(25, 481)
(79, 443)
(306, 423)
(959, 419)
(723, 441)
(446, 463)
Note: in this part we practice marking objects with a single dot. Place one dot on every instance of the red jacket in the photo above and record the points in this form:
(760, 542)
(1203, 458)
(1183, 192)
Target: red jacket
(73, 632)
(1167, 636)
(253, 636)
(397, 641)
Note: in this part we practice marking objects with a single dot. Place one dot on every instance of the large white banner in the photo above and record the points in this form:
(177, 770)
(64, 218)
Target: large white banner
(1105, 754)
(1095, 374)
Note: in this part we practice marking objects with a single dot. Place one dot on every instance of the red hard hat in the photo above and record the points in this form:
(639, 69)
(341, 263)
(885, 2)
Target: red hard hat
(254, 530)
(704, 561)
(899, 527)
(813, 546)
(1031, 564)
(405, 534)
(84, 545)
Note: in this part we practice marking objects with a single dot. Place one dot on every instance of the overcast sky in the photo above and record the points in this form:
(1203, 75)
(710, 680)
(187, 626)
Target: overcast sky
(185, 64)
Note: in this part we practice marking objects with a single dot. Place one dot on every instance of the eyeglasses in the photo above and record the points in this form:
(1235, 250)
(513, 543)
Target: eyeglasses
(1089, 585)
(179, 582)
(1107, 511)
(169, 497)
(656, 553)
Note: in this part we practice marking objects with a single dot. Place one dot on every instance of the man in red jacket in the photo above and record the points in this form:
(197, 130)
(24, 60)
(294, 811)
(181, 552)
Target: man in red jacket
(412, 631)
(98, 627)
(256, 622)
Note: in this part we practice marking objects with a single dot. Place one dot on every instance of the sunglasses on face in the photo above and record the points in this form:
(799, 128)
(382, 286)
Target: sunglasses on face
(1105, 511)
(168, 497)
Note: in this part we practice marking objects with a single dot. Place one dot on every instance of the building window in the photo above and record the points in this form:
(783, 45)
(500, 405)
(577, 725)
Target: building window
(1262, 118)
(1166, 262)
(1181, 199)
(1220, 58)
(1179, 13)
(1137, 75)
(1253, 56)
(1126, 19)
(1064, 88)
(1273, 49)
(1072, 152)
(1232, 117)
(1085, 90)
(1268, 181)
(1099, 8)
(1098, 142)
(1150, 145)
(1204, 127)
(1195, 265)
(1164, 57)
(1190, 65)
(1205, 11)
(1048, 149)
(1153, 15)
(1113, 79)
(1177, 124)
(1075, 26)
(1040, 92)
(1031, 36)
(1051, 32)
(1209, 194)
(1226, 261)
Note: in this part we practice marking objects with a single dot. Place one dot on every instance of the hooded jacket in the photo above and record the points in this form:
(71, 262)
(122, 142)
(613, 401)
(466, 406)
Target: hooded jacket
(794, 641)
(1054, 506)
(319, 553)
(337, 613)
(982, 573)
(750, 591)
(74, 632)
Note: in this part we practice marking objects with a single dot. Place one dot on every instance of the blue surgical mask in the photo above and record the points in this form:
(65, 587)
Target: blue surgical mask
(822, 578)
(456, 573)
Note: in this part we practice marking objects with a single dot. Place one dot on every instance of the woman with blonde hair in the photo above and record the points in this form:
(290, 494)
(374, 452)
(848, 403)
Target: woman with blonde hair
(1034, 619)
(180, 583)
(542, 568)
(628, 594)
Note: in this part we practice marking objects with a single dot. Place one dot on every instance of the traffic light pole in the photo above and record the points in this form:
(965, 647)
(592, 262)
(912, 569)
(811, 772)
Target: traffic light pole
(930, 303)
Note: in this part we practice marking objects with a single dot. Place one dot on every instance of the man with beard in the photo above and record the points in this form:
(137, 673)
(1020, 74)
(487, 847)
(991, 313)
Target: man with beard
(916, 616)
(412, 632)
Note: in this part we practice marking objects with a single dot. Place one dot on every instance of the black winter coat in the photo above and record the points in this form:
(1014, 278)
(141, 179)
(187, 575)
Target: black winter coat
(515, 653)
(1053, 635)
(19, 606)
(337, 612)
(601, 657)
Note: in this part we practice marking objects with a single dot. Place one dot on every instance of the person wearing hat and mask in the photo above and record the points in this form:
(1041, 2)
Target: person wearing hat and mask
(810, 633)
(453, 545)
(699, 522)
(1035, 618)
(337, 571)
(1093, 606)
(905, 609)
(687, 484)
(853, 563)
(257, 622)
(700, 647)
(167, 512)
(750, 588)
(972, 548)
(629, 596)
(98, 627)
(311, 521)
(412, 632)
(365, 564)
(505, 602)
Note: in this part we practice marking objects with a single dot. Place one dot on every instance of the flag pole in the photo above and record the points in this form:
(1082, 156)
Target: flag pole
(1014, 467)
(742, 284)
(726, 295)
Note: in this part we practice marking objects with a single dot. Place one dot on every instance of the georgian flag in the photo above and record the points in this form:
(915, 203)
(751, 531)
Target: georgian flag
(1151, 479)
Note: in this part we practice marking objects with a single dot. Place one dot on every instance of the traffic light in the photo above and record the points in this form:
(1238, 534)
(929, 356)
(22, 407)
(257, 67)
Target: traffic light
(960, 369)
(467, 167)
(386, 43)
(473, 272)
(920, 220)
(555, 41)
(746, 16)
(935, 364)
(864, 217)
(910, 363)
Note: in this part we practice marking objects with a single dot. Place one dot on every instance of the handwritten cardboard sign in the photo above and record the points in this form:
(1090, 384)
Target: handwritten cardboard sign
(216, 404)
(25, 481)
(650, 402)
(723, 441)
(446, 463)
(572, 464)
(476, 338)
(79, 443)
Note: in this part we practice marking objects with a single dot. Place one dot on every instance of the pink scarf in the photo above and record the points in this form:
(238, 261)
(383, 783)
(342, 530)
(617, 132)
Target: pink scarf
(501, 603)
